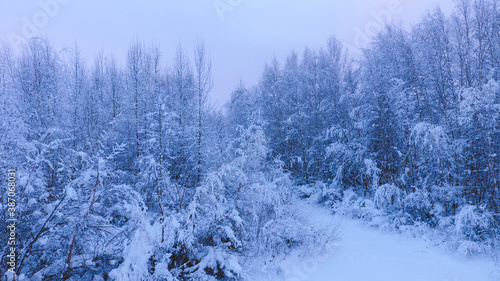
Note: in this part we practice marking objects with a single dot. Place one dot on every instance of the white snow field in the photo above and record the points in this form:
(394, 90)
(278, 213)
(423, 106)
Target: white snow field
(362, 253)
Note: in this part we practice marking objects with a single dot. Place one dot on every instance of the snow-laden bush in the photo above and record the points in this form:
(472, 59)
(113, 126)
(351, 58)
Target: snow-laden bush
(366, 210)
(418, 205)
(448, 197)
(136, 254)
(322, 193)
(217, 226)
(216, 264)
(387, 196)
(358, 207)
(345, 207)
(307, 191)
(473, 227)
(158, 249)
(344, 161)
(133, 239)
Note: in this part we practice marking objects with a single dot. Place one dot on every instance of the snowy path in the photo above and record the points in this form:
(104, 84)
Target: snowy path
(362, 253)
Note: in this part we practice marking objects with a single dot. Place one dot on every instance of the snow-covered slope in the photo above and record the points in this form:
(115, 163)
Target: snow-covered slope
(363, 253)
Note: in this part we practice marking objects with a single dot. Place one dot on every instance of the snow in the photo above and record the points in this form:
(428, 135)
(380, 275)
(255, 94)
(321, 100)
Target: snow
(32, 201)
(43, 241)
(71, 193)
(29, 189)
(365, 253)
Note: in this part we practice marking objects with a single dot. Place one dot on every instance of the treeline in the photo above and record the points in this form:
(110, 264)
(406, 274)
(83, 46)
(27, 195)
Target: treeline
(419, 110)
(126, 173)
(413, 124)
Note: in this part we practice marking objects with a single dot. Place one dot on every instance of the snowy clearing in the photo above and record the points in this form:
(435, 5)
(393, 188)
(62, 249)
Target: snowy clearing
(365, 253)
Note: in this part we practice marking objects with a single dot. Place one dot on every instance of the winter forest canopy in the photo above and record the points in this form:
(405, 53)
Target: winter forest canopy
(127, 173)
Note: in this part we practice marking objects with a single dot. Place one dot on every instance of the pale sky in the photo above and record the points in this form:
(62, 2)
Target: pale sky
(241, 35)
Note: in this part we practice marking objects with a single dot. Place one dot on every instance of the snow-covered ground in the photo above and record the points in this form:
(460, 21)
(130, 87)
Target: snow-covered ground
(362, 253)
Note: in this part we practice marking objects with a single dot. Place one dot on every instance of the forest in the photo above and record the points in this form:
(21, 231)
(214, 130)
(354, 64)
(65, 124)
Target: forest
(125, 171)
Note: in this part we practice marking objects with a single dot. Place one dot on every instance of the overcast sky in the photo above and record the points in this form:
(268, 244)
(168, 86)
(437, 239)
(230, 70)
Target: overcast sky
(241, 35)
